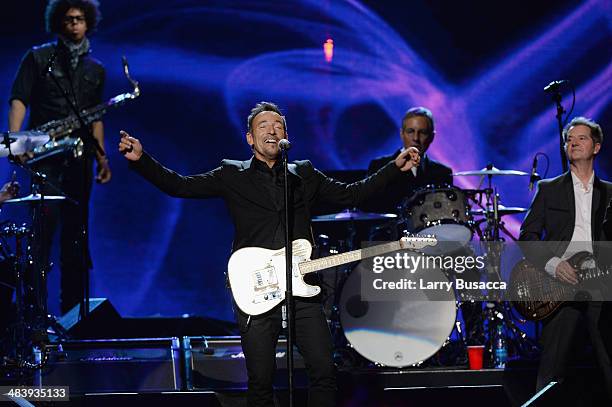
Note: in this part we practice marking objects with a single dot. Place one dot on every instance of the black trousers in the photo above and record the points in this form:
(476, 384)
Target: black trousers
(259, 338)
(74, 178)
(559, 334)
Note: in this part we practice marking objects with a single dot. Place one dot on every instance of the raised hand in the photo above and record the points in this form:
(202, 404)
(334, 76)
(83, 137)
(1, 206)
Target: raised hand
(408, 158)
(130, 147)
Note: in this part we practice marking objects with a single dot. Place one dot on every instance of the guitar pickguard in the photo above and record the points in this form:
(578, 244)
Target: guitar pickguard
(265, 284)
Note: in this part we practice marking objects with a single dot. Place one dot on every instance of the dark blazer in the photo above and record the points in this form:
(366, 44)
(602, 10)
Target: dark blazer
(254, 215)
(551, 217)
(607, 225)
(429, 172)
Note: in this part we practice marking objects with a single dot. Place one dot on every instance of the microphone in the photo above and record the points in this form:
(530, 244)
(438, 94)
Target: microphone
(533, 177)
(555, 85)
(284, 144)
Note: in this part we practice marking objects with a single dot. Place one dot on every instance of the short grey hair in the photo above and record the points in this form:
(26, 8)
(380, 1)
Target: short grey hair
(422, 112)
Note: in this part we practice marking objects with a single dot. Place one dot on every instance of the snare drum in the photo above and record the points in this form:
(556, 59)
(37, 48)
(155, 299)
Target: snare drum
(442, 212)
(397, 333)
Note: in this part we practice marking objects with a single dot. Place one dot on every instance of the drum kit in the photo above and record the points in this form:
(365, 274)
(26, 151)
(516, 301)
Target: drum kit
(415, 331)
(31, 322)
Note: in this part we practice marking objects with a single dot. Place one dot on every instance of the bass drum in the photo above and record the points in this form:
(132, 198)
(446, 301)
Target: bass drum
(401, 332)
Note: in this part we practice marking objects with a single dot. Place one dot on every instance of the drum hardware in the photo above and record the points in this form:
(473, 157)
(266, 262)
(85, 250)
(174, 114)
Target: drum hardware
(29, 332)
(491, 210)
(353, 215)
(489, 171)
(517, 341)
(498, 311)
(501, 209)
(32, 198)
(373, 329)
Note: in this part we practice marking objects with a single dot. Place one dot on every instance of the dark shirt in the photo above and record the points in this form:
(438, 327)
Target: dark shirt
(271, 181)
(36, 88)
(253, 202)
(429, 172)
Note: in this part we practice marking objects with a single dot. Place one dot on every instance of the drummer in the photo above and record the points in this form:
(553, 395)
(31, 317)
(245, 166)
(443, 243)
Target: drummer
(417, 131)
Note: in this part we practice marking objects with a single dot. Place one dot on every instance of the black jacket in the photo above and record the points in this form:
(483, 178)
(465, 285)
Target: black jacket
(251, 208)
(607, 225)
(429, 172)
(552, 214)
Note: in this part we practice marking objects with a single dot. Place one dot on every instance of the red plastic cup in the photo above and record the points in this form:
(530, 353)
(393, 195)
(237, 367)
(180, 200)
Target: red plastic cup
(475, 356)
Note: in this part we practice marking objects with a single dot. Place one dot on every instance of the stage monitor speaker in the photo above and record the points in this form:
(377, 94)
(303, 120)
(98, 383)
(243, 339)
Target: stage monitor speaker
(102, 321)
(217, 363)
(113, 366)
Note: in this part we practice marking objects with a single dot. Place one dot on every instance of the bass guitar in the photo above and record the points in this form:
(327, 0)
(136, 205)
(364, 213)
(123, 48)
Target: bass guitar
(536, 295)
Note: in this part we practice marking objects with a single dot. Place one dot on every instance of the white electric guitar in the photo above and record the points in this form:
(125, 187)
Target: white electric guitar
(257, 276)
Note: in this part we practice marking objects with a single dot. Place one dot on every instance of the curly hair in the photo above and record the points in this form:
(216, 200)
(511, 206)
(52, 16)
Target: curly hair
(57, 9)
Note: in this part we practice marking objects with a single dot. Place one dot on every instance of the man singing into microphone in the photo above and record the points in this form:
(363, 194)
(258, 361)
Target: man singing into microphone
(253, 192)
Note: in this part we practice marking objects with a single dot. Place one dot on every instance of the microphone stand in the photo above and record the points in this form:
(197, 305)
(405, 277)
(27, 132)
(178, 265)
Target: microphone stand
(288, 278)
(556, 97)
(84, 306)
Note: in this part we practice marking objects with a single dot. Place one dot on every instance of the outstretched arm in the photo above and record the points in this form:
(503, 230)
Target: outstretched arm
(355, 194)
(205, 185)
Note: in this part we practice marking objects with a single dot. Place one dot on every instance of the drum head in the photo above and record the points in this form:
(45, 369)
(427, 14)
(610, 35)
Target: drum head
(451, 237)
(444, 213)
(396, 333)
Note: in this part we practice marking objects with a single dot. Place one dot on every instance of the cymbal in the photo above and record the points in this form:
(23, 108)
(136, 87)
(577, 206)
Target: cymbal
(501, 209)
(491, 171)
(22, 142)
(353, 214)
(35, 198)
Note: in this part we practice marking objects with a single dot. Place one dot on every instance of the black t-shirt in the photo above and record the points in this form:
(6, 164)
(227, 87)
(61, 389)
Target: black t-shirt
(35, 87)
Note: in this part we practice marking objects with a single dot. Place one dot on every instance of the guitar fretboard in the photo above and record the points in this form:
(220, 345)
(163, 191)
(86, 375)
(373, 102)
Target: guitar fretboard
(348, 257)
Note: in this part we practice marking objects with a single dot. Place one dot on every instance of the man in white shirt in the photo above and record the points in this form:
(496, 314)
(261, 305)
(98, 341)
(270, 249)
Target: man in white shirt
(568, 211)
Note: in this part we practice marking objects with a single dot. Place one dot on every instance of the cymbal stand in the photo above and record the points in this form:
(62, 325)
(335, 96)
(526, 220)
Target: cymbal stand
(17, 331)
(36, 255)
(342, 355)
(499, 311)
(30, 332)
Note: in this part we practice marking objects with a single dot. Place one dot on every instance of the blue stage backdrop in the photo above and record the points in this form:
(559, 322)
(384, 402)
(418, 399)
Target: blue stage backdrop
(479, 66)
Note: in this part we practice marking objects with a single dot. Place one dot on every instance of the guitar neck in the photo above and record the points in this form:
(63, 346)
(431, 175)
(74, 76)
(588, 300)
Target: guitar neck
(348, 257)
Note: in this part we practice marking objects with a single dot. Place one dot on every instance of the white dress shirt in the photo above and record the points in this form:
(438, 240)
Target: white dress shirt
(581, 238)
